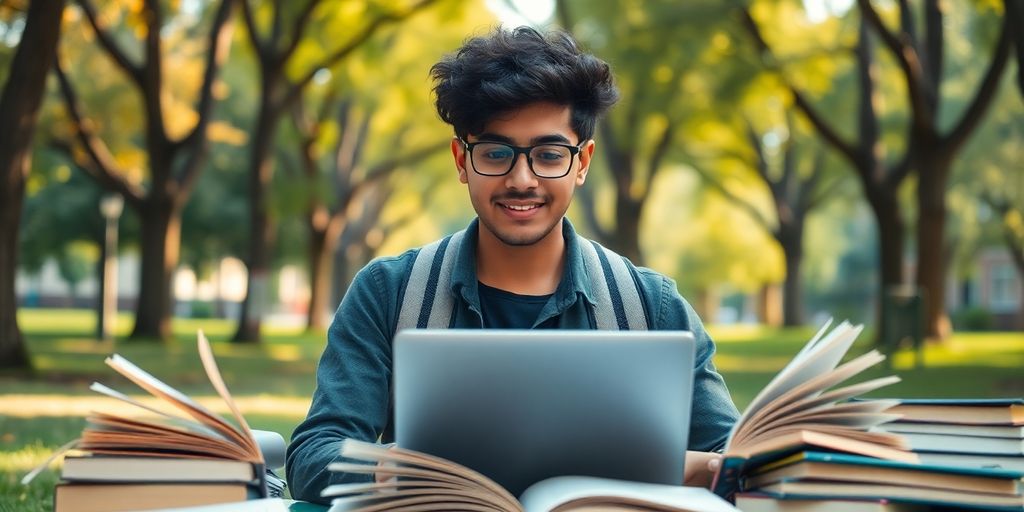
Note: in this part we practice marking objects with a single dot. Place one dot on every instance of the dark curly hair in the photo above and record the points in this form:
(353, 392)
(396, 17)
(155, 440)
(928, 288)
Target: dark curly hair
(508, 70)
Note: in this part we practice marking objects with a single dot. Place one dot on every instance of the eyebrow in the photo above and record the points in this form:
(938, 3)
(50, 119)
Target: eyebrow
(542, 139)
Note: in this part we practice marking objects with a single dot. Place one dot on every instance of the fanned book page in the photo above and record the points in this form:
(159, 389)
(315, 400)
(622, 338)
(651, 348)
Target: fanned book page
(411, 481)
(804, 406)
(198, 433)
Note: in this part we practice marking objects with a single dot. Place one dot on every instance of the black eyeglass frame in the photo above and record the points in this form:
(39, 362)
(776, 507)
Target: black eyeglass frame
(517, 150)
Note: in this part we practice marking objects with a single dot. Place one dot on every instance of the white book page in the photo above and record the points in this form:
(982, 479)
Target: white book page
(547, 494)
(816, 358)
(213, 373)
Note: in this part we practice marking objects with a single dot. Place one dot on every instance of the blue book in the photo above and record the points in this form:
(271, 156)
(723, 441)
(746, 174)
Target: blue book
(841, 476)
(839, 467)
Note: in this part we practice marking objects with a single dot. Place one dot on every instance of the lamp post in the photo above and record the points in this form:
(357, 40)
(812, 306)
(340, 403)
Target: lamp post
(110, 206)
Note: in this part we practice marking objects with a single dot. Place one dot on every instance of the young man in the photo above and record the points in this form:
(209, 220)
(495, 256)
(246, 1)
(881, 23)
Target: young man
(524, 107)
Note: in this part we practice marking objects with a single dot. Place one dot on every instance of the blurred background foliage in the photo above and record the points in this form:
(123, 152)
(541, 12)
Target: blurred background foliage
(767, 155)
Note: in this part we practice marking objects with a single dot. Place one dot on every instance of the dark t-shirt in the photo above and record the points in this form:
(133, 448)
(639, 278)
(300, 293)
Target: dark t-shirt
(507, 310)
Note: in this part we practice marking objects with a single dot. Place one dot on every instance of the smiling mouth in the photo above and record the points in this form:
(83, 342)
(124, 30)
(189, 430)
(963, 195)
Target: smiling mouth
(521, 207)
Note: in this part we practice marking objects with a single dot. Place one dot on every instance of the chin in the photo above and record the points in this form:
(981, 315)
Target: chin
(520, 236)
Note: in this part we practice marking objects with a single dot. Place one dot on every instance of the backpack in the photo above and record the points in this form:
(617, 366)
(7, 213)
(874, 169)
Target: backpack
(428, 304)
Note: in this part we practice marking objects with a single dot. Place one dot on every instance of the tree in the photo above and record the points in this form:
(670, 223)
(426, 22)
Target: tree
(797, 186)
(659, 88)
(880, 178)
(174, 162)
(932, 146)
(19, 107)
(281, 86)
(351, 176)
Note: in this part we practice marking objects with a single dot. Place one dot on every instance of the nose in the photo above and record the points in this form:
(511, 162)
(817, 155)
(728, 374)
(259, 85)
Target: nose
(521, 177)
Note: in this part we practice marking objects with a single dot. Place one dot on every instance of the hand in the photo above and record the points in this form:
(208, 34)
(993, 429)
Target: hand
(701, 468)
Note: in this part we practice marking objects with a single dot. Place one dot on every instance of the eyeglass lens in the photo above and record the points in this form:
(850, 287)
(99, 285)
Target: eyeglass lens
(492, 158)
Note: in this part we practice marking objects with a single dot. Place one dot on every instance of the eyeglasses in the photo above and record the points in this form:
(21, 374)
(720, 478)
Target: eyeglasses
(548, 160)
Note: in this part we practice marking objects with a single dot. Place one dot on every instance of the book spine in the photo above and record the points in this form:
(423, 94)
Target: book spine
(260, 483)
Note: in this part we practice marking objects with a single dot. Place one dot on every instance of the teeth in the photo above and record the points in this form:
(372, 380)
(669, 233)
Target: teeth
(522, 208)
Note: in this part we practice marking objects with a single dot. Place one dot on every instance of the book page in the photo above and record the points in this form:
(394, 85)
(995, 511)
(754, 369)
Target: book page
(548, 494)
(158, 388)
(213, 373)
(371, 452)
(786, 403)
(816, 358)
(836, 395)
(824, 355)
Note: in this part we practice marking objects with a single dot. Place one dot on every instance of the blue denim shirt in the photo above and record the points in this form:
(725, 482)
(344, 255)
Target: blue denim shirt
(353, 393)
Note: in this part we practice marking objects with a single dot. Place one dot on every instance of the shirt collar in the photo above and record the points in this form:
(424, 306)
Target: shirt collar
(575, 281)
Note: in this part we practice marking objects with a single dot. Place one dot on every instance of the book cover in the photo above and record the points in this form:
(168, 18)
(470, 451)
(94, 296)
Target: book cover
(838, 467)
(966, 411)
(958, 500)
(148, 496)
(953, 429)
(756, 502)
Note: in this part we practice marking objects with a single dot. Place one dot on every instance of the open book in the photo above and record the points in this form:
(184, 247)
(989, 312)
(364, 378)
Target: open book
(413, 481)
(802, 408)
(183, 453)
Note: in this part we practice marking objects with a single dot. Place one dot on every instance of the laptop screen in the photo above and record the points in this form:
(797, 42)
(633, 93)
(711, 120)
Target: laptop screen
(522, 406)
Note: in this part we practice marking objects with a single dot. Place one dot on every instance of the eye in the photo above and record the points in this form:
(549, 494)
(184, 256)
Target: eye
(550, 153)
(494, 152)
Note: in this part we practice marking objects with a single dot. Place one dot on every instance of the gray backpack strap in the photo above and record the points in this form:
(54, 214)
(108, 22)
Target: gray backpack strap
(619, 306)
(427, 302)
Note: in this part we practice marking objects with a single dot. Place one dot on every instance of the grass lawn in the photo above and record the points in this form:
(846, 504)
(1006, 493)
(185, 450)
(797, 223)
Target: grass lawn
(273, 381)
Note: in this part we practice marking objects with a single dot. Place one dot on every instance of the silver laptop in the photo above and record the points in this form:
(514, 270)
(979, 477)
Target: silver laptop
(522, 406)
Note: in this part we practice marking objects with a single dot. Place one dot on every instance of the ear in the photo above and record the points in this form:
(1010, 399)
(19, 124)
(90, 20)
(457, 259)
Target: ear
(459, 152)
(586, 153)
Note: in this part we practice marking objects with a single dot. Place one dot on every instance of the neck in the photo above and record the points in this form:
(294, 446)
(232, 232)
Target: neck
(527, 269)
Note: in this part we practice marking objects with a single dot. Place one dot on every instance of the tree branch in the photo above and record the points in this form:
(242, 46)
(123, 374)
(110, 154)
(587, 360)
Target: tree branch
(385, 167)
(295, 89)
(297, 29)
(1015, 14)
(985, 93)
(258, 44)
(103, 168)
(909, 62)
(216, 53)
(733, 198)
(824, 129)
(934, 44)
(660, 150)
(120, 58)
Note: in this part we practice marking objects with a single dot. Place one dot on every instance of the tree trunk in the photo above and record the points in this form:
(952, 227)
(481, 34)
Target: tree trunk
(319, 278)
(791, 240)
(161, 238)
(261, 228)
(885, 206)
(19, 109)
(324, 232)
(931, 252)
(626, 237)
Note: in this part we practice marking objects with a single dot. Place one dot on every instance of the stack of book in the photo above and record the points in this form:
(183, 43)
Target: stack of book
(971, 453)
(839, 482)
(985, 433)
(177, 456)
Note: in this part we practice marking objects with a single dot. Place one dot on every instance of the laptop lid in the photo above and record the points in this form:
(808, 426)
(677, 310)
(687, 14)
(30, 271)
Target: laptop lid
(522, 406)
